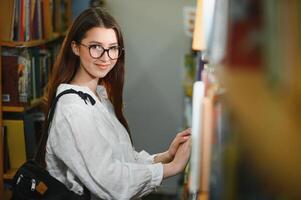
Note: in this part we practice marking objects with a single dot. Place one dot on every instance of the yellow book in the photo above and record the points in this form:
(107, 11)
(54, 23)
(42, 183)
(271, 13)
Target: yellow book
(6, 16)
(47, 18)
(58, 16)
(198, 42)
(16, 142)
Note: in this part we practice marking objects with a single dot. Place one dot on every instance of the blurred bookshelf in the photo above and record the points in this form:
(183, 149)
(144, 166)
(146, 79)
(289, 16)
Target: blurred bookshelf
(248, 57)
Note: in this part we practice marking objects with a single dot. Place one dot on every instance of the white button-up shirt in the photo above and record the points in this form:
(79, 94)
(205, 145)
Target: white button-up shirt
(87, 145)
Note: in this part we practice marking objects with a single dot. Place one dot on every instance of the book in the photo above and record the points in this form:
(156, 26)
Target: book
(196, 136)
(22, 21)
(198, 42)
(10, 78)
(6, 163)
(217, 44)
(16, 20)
(218, 144)
(207, 134)
(57, 17)
(35, 73)
(39, 119)
(190, 73)
(16, 142)
(7, 11)
(47, 10)
(24, 67)
(30, 135)
(45, 65)
(245, 38)
(38, 21)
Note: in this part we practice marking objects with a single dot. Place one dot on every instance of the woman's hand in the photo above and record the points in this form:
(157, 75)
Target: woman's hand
(179, 139)
(169, 155)
(180, 160)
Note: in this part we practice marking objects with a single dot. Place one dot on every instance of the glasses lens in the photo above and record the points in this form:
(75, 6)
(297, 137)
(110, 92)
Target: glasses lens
(96, 51)
(114, 52)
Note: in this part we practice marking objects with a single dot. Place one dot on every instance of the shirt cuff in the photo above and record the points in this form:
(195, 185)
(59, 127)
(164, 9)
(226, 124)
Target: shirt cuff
(157, 174)
(146, 157)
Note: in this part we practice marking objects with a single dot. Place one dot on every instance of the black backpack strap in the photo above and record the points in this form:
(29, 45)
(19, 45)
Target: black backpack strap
(40, 155)
(84, 96)
(41, 151)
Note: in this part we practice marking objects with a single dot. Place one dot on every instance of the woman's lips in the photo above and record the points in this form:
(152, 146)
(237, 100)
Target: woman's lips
(102, 66)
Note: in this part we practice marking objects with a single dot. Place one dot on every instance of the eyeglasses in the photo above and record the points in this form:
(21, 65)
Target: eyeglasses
(96, 51)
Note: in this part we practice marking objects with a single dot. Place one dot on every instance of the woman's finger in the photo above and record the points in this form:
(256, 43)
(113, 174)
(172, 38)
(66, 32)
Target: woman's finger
(185, 132)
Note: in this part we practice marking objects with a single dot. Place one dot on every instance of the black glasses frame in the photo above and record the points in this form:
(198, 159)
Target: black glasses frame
(104, 50)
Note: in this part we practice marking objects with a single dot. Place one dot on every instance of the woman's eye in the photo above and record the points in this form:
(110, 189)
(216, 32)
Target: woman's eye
(97, 47)
(114, 48)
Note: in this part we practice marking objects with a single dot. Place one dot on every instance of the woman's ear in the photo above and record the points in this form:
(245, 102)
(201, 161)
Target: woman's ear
(75, 48)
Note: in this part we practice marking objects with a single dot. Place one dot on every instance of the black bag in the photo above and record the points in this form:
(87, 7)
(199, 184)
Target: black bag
(32, 181)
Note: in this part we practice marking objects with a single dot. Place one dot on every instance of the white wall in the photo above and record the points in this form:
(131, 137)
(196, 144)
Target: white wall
(155, 47)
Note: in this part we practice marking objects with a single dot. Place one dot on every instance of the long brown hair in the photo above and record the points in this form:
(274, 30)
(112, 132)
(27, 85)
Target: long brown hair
(67, 64)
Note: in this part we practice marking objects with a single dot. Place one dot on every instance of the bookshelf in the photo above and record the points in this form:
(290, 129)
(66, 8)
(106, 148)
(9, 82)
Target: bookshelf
(254, 52)
(10, 174)
(33, 104)
(37, 37)
(32, 43)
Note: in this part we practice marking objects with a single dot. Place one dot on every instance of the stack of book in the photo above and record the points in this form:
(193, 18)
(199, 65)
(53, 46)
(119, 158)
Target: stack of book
(25, 20)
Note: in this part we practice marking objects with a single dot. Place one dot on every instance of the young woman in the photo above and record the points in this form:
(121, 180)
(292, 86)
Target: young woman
(90, 145)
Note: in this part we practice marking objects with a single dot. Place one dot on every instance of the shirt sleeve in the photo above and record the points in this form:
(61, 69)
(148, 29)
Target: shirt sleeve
(88, 154)
(144, 158)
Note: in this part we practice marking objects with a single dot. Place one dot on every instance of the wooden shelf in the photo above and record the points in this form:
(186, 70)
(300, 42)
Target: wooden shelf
(31, 43)
(10, 174)
(12, 109)
(34, 103)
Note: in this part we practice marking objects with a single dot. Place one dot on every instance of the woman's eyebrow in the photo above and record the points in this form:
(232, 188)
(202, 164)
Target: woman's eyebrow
(96, 42)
